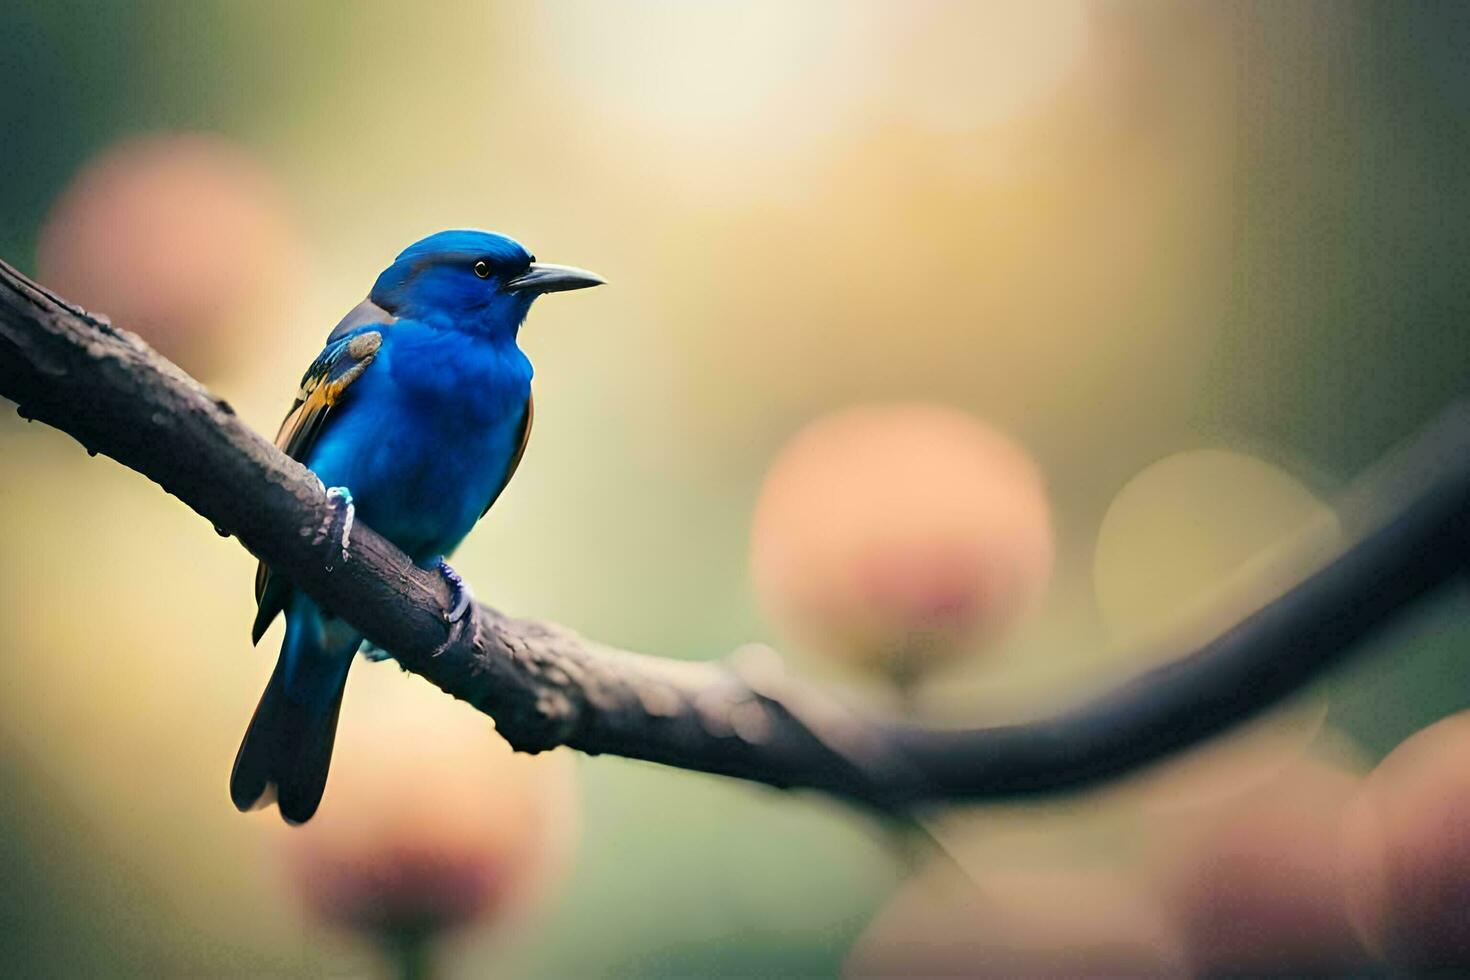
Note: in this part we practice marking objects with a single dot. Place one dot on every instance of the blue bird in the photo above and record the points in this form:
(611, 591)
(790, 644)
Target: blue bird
(415, 414)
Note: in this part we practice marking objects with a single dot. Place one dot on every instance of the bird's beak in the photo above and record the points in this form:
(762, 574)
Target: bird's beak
(543, 277)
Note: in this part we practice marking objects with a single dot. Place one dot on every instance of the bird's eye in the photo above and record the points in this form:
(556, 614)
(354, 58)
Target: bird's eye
(482, 269)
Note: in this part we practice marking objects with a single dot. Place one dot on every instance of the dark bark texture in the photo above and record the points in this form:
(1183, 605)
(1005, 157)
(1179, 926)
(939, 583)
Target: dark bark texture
(545, 686)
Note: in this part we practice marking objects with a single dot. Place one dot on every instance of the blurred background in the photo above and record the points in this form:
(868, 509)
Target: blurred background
(954, 348)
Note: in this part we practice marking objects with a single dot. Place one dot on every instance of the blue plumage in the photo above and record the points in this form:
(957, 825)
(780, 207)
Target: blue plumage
(425, 438)
(420, 406)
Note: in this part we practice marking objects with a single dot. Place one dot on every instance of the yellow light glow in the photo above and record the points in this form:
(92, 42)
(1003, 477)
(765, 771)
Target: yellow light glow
(711, 71)
(1191, 524)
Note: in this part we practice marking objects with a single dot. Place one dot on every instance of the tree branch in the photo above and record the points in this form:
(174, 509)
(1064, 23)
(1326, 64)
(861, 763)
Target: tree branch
(546, 686)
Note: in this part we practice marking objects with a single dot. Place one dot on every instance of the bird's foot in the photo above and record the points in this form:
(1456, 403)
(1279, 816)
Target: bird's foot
(341, 500)
(463, 599)
(463, 603)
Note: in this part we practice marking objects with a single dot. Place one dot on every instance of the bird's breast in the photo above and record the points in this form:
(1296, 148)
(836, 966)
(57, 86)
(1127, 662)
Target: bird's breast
(470, 380)
(426, 437)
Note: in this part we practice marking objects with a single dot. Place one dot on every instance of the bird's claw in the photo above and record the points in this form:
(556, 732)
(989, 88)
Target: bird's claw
(464, 603)
(463, 600)
(341, 500)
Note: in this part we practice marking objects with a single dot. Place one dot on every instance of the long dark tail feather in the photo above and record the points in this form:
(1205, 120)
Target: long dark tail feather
(287, 749)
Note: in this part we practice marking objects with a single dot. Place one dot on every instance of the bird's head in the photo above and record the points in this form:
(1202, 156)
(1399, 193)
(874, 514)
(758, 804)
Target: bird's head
(476, 281)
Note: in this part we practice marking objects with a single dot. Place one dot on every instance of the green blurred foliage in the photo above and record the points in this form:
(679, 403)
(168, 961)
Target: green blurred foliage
(1226, 225)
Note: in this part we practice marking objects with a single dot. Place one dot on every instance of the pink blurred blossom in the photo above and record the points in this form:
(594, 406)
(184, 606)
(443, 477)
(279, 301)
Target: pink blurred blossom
(1407, 851)
(899, 537)
(177, 237)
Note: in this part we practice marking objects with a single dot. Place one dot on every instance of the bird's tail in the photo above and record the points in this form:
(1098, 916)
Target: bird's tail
(288, 747)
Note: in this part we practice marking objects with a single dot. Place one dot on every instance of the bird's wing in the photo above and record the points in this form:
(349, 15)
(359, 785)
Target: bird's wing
(515, 460)
(345, 358)
(335, 368)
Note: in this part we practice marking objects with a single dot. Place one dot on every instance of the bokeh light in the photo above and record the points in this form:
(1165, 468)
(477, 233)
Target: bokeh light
(1256, 886)
(899, 537)
(431, 825)
(176, 237)
(1408, 856)
(1192, 524)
